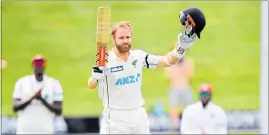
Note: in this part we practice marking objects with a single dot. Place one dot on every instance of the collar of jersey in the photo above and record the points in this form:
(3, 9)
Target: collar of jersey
(209, 103)
(114, 56)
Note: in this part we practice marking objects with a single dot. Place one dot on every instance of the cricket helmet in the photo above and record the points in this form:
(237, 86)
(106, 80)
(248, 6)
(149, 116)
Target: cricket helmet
(205, 88)
(195, 19)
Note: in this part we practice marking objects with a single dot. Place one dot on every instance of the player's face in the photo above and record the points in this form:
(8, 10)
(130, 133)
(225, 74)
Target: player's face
(204, 97)
(204, 100)
(123, 40)
(39, 70)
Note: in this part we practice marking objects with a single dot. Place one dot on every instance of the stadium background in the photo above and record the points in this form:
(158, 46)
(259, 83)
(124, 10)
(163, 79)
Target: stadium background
(227, 56)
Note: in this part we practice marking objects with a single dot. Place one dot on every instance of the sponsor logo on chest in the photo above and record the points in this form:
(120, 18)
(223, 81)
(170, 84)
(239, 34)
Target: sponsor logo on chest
(128, 79)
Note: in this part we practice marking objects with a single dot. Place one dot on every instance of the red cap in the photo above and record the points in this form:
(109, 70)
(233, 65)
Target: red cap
(205, 88)
(38, 60)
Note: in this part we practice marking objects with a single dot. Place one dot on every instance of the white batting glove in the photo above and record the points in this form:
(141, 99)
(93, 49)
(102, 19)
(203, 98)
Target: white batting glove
(97, 73)
(184, 42)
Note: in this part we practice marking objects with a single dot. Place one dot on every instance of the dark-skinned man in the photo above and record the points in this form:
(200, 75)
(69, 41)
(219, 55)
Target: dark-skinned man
(204, 117)
(38, 99)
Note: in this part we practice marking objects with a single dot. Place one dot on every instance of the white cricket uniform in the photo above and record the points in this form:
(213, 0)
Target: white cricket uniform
(36, 118)
(210, 120)
(123, 101)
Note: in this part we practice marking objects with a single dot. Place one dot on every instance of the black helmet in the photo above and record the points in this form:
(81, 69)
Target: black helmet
(195, 15)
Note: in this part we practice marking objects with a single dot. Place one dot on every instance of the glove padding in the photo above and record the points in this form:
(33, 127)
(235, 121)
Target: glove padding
(97, 73)
(185, 41)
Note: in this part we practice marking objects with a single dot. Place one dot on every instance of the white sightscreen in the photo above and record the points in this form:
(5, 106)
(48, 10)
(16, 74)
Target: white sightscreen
(264, 69)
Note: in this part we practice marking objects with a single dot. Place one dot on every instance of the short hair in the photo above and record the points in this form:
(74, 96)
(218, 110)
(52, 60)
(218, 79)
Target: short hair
(121, 24)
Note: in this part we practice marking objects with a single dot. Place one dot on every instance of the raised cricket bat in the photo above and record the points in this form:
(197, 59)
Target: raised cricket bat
(102, 40)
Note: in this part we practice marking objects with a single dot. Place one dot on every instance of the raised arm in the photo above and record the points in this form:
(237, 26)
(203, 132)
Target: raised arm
(172, 57)
(178, 52)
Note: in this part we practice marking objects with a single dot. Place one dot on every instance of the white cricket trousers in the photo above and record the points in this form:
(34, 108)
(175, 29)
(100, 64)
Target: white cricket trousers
(116, 121)
(33, 130)
(34, 126)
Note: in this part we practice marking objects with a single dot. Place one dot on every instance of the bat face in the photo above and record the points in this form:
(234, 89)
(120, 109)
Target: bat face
(103, 33)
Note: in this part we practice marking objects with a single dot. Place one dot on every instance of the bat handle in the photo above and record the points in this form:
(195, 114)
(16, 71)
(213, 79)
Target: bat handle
(98, 60)
(98, 54)
(102, 56)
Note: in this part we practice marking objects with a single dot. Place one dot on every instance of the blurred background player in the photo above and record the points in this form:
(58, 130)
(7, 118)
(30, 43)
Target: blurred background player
(181, 92)
(37, 98)
(204, 117)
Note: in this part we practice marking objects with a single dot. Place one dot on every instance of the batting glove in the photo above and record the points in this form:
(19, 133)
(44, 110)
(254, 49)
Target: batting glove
(184, 42)
(97, 73)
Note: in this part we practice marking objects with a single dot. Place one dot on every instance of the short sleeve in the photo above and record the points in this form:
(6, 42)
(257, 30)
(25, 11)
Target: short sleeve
(17, 93)
(58, 92)
(150, 60)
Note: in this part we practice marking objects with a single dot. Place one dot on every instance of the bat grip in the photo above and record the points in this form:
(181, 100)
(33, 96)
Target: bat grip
(101, 57)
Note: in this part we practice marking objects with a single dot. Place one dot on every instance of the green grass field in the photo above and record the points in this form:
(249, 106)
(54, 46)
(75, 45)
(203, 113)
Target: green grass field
(227, 56)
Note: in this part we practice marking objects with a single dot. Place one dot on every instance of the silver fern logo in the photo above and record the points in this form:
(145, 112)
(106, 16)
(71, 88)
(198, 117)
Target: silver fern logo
(134, 63)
